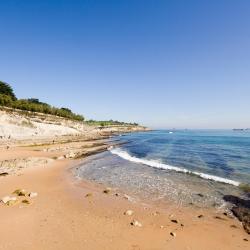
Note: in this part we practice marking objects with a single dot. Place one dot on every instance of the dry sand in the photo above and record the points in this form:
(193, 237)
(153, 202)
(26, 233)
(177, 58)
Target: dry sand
(62, 217)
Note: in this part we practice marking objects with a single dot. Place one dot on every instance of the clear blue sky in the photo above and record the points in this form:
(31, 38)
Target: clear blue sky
(160, 63)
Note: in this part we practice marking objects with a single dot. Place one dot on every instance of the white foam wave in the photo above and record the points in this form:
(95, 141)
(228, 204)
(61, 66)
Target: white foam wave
(125, 155)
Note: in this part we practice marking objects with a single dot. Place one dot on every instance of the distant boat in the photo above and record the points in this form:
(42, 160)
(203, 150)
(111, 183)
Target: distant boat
(170, 132)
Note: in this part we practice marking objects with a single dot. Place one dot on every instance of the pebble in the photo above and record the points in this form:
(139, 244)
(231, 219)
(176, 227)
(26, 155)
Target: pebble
(174, 221)
(4, 174)
(12, 202)
(33, 194)
(127, 197)
(219, 218)
(70, 155)
(6, 199)
(201, 195)
(128, 212)
(173, 234)
(25, 201)
(88, 195)
(136, 223)
(107, 190)
(20, 192)
(200, 216)
(233, 226)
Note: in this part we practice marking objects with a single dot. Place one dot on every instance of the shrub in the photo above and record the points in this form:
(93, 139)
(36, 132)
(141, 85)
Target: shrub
(6, 89)
(8, 99)
(110, 123)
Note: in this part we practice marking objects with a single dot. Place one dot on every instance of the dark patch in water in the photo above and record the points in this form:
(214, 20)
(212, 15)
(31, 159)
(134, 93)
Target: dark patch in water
(159, 141)
(215, 161)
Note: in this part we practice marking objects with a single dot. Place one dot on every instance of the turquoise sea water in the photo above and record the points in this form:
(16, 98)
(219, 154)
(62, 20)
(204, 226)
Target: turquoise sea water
(186, 166)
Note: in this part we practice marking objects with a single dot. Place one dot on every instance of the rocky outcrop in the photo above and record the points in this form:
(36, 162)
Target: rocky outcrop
(241, 210)
(17, 126)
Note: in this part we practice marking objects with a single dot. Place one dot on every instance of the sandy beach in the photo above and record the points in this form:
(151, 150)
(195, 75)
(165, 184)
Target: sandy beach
(71, 214)
(124, 125)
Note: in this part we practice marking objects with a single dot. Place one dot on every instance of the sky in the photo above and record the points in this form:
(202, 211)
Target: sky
(163, 64)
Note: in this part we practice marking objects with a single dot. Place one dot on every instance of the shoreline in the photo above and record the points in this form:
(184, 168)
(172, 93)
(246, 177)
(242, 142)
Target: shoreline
(76, 214)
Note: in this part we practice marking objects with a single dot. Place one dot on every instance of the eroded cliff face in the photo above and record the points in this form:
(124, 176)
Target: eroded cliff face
(18, 125)
(25, 125)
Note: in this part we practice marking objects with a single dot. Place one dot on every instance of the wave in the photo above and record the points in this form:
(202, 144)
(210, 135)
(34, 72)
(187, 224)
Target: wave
(125, 155)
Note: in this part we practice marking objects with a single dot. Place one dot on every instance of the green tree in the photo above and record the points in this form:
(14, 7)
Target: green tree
(8, 99)
(66, 110)
(6, 89)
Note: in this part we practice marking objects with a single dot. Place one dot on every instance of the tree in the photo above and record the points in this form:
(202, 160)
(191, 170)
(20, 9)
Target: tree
(67, 110)
(6, 89)
(33, 100)
(8, 99)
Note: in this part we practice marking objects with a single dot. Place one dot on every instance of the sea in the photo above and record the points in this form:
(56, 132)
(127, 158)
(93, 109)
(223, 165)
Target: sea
(181, 167)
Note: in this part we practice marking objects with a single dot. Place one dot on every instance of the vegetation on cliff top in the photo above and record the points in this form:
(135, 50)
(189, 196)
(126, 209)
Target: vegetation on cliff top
(6, 89)
(8, 99)
(110, 123)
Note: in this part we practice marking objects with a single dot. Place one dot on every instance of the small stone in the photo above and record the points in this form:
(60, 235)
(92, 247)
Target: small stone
(107, 190)
(4, 174)
(200, 216)
(71, 155)
(128, 212)
(161, 227)
(245, 239)
(219, 218)
(60, 157)
(88, 195)
(136, 223)
(174, 221)
(26, 202)
(233, 226)
(127, 197)
(173, 234)
(11, 202)
(20, 192)
(201, 195)
(6, 199)
(33, 194)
